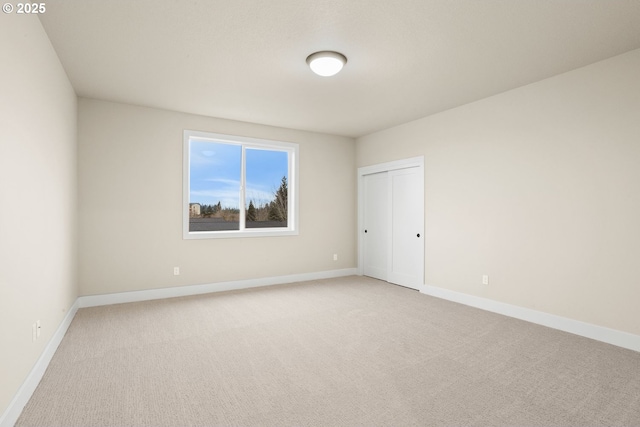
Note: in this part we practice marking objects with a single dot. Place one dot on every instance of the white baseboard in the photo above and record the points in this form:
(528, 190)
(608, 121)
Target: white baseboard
(12, 413)
(599, 333)
(181, 291)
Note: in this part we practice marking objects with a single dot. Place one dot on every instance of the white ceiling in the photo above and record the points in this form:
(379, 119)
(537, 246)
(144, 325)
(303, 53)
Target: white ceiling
(245, 59)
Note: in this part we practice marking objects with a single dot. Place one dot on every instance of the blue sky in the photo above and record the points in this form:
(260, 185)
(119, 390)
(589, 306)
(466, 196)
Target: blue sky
(215, 173)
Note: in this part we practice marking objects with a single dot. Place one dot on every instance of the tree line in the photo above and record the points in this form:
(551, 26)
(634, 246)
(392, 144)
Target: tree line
(275, 210)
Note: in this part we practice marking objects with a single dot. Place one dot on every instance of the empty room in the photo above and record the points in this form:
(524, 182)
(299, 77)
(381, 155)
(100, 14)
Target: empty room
(320, 213)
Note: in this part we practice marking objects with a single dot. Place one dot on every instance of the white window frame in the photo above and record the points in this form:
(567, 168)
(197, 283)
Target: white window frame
(245, 142)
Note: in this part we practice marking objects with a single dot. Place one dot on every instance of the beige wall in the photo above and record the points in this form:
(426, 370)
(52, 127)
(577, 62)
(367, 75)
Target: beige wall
(539, 188)
(37, 197)
(130, 189)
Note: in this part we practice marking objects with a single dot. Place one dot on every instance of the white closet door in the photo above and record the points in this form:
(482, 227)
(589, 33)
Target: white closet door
(406, 250)
(376, 225)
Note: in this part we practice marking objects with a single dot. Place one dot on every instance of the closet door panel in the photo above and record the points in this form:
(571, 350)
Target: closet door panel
(406, 248)
(376, 225)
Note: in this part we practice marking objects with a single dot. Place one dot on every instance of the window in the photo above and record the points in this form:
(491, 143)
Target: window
(238, 187)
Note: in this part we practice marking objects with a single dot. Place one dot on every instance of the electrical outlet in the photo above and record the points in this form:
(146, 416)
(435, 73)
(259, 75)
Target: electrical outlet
(176, 271)
(335, 257)
(485, 279)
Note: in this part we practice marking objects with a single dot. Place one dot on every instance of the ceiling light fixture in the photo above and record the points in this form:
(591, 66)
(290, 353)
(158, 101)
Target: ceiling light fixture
(326, 63)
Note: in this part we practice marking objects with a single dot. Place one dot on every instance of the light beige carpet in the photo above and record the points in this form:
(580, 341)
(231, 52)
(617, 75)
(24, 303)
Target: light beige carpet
(350, 351)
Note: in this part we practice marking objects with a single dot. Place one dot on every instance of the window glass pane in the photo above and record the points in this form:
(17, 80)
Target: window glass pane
(267, 181)
(214, 190)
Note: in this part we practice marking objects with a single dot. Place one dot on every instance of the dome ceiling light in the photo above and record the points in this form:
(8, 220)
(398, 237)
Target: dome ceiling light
(326, 63)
